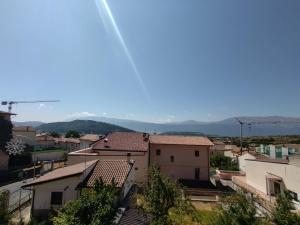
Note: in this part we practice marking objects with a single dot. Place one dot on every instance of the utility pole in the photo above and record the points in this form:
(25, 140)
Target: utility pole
(241, 134)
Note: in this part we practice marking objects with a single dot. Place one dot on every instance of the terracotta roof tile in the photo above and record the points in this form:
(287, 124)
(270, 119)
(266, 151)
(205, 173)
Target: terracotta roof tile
(109, 170)
(63, 172)
(123, 141)
(179, 140)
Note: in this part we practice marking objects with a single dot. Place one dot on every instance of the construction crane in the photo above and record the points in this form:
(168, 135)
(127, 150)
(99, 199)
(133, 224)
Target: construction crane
(10, 103)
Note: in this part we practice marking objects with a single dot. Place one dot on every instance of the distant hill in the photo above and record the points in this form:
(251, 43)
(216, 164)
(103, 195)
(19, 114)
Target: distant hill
(82, 126)
(272, 125)
(28, 123)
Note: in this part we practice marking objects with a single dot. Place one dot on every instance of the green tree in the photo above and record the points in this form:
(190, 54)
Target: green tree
(94, 207)
(222, 162)
(282, 214)
(72, 134)
(237, 210)
(162, 194)
(6, 132)
(54, 134)
(4, 216)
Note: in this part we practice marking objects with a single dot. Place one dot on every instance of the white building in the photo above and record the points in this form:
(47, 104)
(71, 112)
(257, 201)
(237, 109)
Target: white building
(56, 188)
(267, 177)
(87, 140)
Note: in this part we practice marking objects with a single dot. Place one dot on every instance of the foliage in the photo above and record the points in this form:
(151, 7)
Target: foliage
(72, 134)
(237, 210)
(6, 132)
(82, 126)
(54, 134)
(223, 163)
(161, 194)
(282, 214)
(95, 207)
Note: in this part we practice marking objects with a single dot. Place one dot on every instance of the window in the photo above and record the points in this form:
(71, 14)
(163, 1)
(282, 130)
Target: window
(136, 168)
(196, 153)
(128, 154)
(172, 158)
(197, 173)
(56, 198)
(157, 151)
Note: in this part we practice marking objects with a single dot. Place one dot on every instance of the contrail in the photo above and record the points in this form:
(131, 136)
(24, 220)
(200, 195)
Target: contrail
(105, 7)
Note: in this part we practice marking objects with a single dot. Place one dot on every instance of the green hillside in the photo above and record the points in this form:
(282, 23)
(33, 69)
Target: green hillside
(82, 126)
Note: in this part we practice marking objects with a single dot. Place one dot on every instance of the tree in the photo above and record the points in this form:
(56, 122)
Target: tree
(237, 210)
(72, 134)
(161, 195)
(54, 134)
(4, 215)
(6, 133)
(282, 214)
(95, 207)
(222, 162)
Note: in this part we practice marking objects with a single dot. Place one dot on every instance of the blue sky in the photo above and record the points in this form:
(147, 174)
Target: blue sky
(165, 61)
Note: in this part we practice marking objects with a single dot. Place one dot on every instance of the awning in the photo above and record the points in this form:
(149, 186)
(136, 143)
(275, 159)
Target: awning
(273, 177)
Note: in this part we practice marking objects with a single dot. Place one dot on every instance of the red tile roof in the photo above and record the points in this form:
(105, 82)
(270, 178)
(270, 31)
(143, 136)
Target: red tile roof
(63, 173)
(108, 170)
(179, 140)
(123, 141)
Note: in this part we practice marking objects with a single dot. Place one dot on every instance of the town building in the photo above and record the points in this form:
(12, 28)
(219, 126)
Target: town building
(54, 189)
(87, 140)
(181, 157)
(279, 151)
(266, 177)
(44, 141)
(26, 134)
(118, 146)
(68, 144)
(4, 158)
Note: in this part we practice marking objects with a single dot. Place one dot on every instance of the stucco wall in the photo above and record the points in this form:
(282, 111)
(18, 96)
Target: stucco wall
(27, 136)
(47, 156)
(184, 163)
(256, 175)
(140, 158)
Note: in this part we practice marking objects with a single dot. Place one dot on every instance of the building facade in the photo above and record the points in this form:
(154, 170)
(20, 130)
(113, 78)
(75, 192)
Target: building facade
(181, 157)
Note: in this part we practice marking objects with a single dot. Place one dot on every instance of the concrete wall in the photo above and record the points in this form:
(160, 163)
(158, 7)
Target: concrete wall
(256, 175)
(242, 161)
(47, 155)
(185, 161)
(140, 158)
(85, 144)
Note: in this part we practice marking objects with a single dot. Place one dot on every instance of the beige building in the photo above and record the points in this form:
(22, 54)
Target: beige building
(68, 144)
(267, 177)
(87, 140)
(56, 188)
(25, 133)
(45, 141)
(181, 157)
(118, 146)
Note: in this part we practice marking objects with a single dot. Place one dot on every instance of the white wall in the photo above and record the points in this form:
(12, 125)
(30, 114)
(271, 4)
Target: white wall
(256, 172)
(242, 161)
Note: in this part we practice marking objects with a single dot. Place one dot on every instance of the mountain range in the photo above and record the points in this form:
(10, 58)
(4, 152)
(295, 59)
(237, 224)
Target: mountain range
(260, 126)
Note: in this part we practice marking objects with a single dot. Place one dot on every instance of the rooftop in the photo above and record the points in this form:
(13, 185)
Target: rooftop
(123, 141)
(67, 140)
(64, 172)
(108, 170)
(180, 140)
(6, 113)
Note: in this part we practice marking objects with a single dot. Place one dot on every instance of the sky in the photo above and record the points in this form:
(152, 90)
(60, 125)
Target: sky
(158, 61)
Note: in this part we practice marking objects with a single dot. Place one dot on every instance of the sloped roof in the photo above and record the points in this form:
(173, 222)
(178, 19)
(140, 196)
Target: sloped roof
(107, 170)
(123, 141)
(64, 172)
(180, 140)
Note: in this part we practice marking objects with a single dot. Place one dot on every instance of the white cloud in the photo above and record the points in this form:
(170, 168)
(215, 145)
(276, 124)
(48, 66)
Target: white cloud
(42, 106)
(104, 114)
(81, 114)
